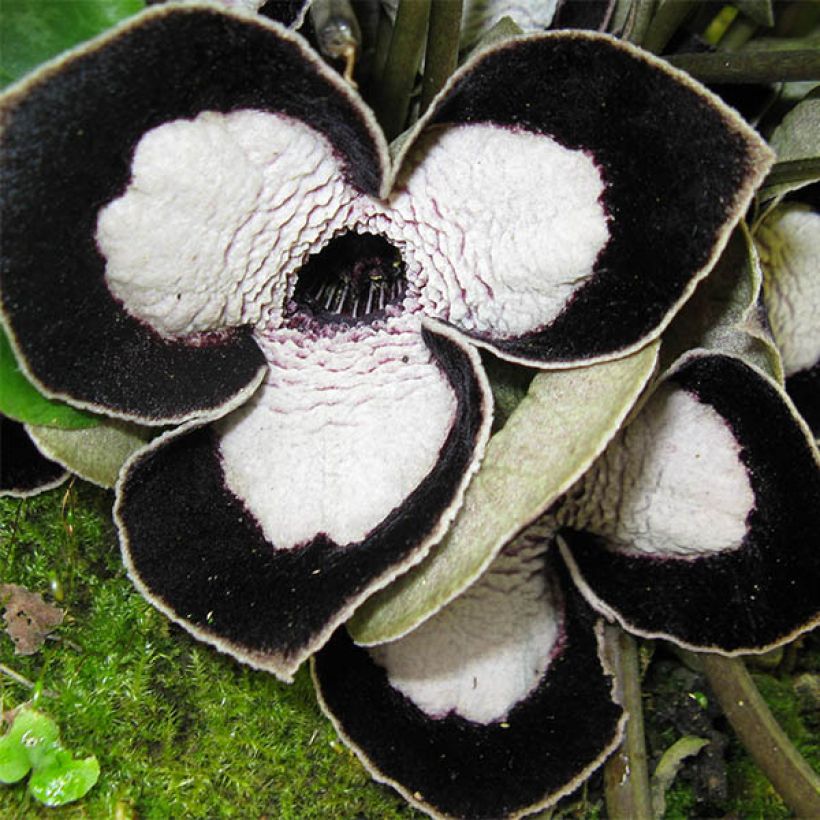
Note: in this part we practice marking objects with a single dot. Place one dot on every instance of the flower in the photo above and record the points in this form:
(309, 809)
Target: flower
(203, 227)
(789, 243)
(698, 525)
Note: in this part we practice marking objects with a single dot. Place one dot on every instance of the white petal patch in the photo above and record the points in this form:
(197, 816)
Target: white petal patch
(219, 211)
(789, 243)
(488, 649)
(347, 426)
(671, 484)
(499, 228)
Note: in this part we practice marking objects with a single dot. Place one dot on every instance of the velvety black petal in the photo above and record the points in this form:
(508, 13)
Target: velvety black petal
(453, 766)
(590, 14)
(678, 169)
(804, 389)
(200, 554)
(746, 596)
(23, 468)
(286, 12)
(69, 133)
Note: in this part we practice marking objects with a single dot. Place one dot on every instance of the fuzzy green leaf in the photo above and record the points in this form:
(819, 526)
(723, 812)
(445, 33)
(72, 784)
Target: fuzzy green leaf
(796, 138)
(560, 427)
(62, 779)
(21, 401)
(32, 738)
(95, 453)
(723, 315)
(33, 31)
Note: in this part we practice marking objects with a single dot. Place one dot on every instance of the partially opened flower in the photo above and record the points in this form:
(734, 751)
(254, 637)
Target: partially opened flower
(789, 243)
(698, 524)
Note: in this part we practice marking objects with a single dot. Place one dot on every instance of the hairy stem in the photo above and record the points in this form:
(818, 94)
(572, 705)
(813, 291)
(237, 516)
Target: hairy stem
(665, 23)
(626, 775)
(640, 16)
(442, 47)
(406, 46)
(751, 66)
(759, 732)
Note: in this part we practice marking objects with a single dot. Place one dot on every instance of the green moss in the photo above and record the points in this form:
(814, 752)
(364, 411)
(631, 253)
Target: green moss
(754, 797)
(179, 730)
(680, 802)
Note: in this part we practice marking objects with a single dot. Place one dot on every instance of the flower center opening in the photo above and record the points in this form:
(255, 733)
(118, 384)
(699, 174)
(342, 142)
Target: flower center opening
(355, 278)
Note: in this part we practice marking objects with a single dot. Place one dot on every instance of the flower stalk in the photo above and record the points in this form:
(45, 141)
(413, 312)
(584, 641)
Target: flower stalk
(761, 735)
(751, 66)
(396, 87)
(626, 775)
(442, 47)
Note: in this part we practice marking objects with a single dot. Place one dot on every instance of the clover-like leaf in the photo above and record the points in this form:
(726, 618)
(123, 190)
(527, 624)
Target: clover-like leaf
(62, 779)
(33, 744)
(31, 739)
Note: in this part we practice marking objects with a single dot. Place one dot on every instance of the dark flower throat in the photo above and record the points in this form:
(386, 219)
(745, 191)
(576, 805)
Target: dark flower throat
(353, 279)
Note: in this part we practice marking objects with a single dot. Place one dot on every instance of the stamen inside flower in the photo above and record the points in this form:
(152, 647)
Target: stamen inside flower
(355, 278)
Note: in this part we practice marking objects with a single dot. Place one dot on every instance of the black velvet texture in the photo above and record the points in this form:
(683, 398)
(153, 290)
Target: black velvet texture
(23, 468)
(760, 593)
(472, 770)
(588, 14)
(804, 389)
(199, 551)
(285, 12)
(67, 150)
(671, 166)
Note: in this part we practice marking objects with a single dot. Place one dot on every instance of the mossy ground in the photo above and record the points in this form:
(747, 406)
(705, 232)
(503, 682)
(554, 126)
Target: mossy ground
(179, 730)
(182, 731)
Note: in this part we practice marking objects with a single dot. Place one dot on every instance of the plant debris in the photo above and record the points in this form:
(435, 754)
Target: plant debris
(28, 618)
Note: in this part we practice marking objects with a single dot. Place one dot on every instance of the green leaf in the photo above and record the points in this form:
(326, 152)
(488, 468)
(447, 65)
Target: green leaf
(796, 140)
(760, 11)
(33, 31)
(668, 767)
(32, 738)
(95, 453)
(722, 314)
(14, 762)
(62, 779)
(21, 401)
(549, 441)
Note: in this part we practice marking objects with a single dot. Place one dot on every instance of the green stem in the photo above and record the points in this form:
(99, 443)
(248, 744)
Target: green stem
(639, 20)
(759, 732)
(442, 47)
(384, 34)
(751, 66)
(738, 34)
(665, 23)
(626, 775)
(393, 95)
